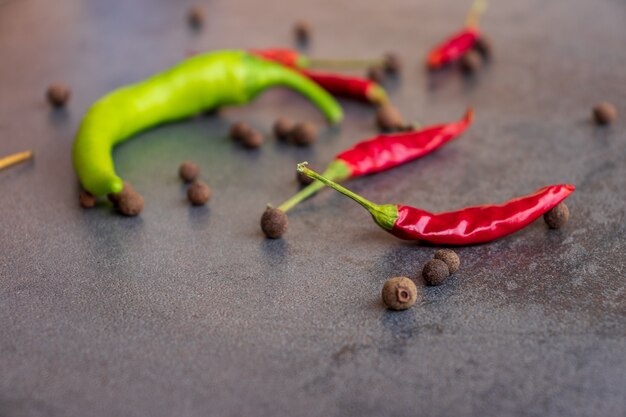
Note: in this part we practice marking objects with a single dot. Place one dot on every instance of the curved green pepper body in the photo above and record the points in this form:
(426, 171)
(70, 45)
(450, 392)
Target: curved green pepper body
(202, 82)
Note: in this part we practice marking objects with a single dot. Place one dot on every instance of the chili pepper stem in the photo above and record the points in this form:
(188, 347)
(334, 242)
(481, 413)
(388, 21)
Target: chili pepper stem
(384, 215)
(325, 181)
(16, 158)
(337, 170)
(344, 63)
(476, 10)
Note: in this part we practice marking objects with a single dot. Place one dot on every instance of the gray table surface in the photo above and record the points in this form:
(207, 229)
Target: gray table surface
(191, 312)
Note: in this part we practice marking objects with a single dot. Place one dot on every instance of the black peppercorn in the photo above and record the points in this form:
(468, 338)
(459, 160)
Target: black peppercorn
(126, 190)
(188, 171)
(282, 128)
(399, 293)
(470, 62)
(392, 63)
(252, 139)
(483, 46)
(274, 223)
(376, 74)
(302, 31)
(196, 16)
(388, 118)
(604, 113)
(303, 178)
(239, 130)
(304, 134)
(450, 258)
(435, 272)
(198, 193)
(58, 94)
(86, 200)
(557, 216)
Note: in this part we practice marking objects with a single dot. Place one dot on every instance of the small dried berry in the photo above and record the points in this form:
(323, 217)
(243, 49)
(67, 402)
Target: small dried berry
(302, 31)
(198, 193)
(58, 94)
(484, 47)
(557, 216)
(604, 113)
(86, 200)
(435, 272)
(392, 63)
(450, 258)
(126, 190)
(252, 139)
(470, 62)
(282, 128)
(399, 293)
(376, 74)
(188, 171)
(303, 178)
(274, 223)
(196, 16)
(130, 204)
(388, 118)
(304, 134)
(239, 130)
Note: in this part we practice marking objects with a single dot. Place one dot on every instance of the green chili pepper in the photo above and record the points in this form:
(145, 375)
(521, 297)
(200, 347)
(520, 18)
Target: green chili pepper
(202, 82)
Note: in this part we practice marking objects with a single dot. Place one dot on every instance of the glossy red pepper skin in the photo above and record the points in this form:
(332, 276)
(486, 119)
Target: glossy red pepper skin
(477, 224)
(453, 48)
(341, 85)
(387, 151)
(285, 56)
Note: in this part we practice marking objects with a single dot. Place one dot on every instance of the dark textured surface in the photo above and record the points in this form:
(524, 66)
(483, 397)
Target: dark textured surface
(191, 312)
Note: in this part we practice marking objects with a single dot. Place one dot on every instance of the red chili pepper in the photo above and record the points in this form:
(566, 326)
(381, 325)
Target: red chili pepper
(457, 45)
(294, 59)
(348, 86)
(287, 57)
(462, 227)
(384, 152)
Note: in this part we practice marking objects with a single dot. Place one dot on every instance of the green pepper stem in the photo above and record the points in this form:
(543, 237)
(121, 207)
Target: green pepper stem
(345, 63)
(476, 10)
(371, 207)
(337, 170)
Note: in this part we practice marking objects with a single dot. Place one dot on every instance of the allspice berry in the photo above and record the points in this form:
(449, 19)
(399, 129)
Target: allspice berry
(471, 62)
(604, 113)
(86, 200)
(435, 272)
(58, 94)
(282, 128)
(388, 118)
(450, 258)
(392, 63)
(302, 31)
(130, 204)
(376, 74)
(399, 293)
(252, 139)
(198, 193)
(196, 16)
(188, 171)
(557, 216)
(304, 134)
(274, 223)
(483, 46)
(239, 130)
(115, 197)
(303, 178)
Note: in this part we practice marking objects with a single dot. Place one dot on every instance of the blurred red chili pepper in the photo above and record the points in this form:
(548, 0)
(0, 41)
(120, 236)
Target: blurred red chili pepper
(462, 227)
(348, 86)
(287, 57)
(384, 152)
(457, 45)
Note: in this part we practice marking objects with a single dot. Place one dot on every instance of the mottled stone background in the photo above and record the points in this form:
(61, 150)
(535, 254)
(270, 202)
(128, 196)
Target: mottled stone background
(191, 312)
